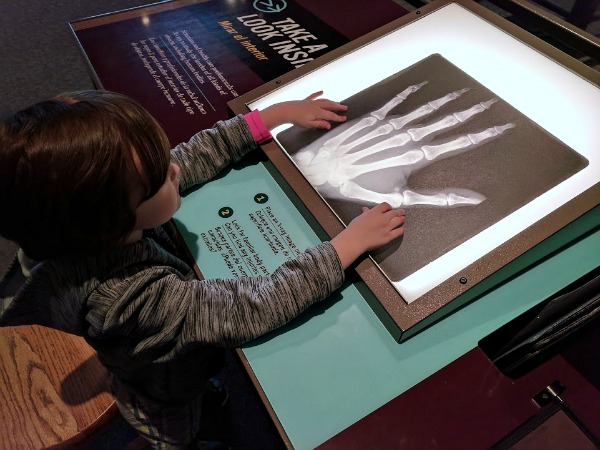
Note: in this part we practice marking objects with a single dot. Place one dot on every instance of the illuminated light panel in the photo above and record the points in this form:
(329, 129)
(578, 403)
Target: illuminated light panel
(557, 99)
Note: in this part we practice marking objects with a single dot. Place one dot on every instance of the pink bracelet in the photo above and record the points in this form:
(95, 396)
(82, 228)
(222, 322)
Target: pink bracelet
(257, 127)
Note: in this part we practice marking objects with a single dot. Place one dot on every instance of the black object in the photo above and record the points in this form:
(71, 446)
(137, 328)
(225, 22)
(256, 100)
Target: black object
(539, 333)
(555, 422)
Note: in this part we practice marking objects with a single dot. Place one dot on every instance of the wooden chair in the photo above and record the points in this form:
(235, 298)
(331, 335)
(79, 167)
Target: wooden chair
(53, 390)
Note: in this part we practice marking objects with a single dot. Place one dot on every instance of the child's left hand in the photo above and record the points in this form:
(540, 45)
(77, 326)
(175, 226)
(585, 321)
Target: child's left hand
(312, 112)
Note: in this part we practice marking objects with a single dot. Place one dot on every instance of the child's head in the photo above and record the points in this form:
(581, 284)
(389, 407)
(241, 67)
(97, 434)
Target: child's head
(74, 169)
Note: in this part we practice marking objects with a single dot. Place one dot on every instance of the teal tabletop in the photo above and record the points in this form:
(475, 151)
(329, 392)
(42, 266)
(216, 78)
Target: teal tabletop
(336, 363)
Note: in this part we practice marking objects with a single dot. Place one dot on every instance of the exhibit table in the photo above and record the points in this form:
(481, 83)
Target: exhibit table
(339, 361)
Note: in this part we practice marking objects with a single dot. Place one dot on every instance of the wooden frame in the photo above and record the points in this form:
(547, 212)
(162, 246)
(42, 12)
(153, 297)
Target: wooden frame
(401, 317)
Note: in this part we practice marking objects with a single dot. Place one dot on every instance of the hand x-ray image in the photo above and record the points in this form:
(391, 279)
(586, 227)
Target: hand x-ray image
(434, 141)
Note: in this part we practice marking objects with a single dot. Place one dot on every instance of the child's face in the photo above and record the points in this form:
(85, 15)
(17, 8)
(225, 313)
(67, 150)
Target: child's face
(159, 208)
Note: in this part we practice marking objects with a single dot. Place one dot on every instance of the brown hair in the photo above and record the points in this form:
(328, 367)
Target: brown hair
(67, 171)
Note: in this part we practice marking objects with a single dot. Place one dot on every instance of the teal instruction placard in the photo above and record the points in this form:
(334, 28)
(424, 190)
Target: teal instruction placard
(244, 227)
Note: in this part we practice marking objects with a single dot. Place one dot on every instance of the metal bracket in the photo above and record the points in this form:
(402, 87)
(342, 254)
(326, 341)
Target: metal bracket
(549, 394)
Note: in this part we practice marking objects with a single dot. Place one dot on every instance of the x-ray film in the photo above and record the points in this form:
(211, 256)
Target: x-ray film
(434, 141)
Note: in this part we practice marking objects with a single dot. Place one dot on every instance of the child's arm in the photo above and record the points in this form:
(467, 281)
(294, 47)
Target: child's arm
(235, 310)
(211, 150)
(374, 228)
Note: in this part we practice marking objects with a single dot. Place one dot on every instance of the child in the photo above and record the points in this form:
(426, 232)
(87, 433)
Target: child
(88, 184)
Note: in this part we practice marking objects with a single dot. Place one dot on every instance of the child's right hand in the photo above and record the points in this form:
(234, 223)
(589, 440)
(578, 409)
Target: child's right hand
(373, 228)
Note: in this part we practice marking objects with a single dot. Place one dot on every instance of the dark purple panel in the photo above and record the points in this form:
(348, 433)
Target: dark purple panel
(184, 62)
(468, 404)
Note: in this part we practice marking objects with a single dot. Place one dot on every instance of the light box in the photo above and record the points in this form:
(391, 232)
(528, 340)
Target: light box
(486, 135)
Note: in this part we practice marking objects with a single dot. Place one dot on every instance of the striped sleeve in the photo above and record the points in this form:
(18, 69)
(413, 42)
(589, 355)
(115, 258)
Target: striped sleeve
(164, 316)
(210, 151)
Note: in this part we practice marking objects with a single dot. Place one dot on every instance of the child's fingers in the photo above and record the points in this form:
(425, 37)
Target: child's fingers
(396, 221)
(396, 233)
(330, 105)
(319, 124)
(314, 95)
(394, 218)
(386, 208)
(337, 118)
(382, 207)
(324, 122)
(331, 116)
(400, 213)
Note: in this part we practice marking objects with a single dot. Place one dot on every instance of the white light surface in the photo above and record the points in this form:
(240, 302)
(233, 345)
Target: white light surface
(557, 99)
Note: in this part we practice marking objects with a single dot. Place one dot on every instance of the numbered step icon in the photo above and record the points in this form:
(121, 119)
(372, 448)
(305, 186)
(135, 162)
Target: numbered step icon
(261, 198)
(225, 212)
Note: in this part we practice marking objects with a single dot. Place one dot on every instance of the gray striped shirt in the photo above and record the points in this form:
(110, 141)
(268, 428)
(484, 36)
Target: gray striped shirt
(155, 326)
